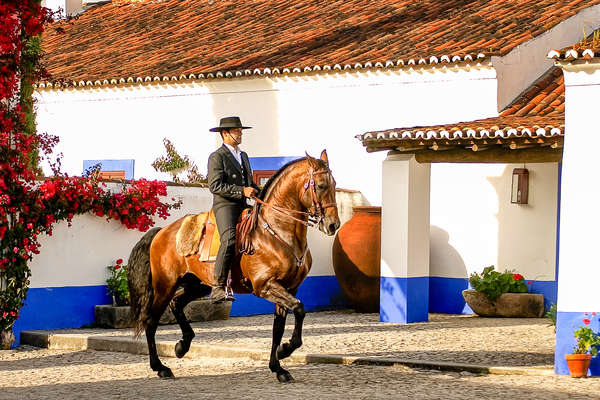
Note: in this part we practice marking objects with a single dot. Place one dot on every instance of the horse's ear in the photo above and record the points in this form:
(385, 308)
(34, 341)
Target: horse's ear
(311, 160)
(324, 157)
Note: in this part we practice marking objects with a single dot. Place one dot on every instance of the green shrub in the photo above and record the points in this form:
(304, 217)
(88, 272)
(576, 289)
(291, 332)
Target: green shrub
(493, 283)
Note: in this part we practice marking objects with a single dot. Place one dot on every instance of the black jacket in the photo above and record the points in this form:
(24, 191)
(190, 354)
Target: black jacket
(225, 178)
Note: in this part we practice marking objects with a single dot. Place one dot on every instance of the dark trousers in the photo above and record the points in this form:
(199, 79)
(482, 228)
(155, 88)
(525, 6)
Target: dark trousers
(227, 217)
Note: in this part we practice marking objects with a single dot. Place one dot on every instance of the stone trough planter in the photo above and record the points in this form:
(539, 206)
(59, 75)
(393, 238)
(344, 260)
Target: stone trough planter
(524, 305)
(109, 316)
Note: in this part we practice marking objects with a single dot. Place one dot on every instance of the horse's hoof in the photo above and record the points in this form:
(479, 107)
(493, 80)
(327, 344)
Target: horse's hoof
(285, 377)
(166, 373)
(181, 349)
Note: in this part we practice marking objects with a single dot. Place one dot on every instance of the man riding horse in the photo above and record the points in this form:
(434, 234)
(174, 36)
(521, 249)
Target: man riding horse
(230, 182)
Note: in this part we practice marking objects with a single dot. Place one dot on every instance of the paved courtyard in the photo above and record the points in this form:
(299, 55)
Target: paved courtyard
(30, 372)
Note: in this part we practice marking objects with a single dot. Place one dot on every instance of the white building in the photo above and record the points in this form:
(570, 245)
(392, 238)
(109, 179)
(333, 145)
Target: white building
(127, 74)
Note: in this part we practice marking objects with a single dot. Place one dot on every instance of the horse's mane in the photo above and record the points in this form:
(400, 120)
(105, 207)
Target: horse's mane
(271, 180)
(248, 224)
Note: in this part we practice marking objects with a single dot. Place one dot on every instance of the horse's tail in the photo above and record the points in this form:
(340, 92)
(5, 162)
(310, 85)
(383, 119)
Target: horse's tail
(139, 278)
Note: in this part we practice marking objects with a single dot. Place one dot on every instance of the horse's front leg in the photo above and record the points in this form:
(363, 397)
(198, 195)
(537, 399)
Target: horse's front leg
(283, 300)
(286, 349)
(278, 329)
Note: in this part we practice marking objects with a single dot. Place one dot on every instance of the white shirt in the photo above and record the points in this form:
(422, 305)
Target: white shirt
(237, 153)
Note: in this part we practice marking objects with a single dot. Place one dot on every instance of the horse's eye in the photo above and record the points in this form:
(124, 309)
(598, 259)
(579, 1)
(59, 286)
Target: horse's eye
(321, 186)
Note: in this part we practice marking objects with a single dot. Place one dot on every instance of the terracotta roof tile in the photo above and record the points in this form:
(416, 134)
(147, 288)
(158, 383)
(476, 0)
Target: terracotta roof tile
(147, 37)
(536, 117)
(540, 98)
(585, 49)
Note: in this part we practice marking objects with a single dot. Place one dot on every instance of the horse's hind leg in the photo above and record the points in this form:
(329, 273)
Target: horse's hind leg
(158, 308)
(191, 290)
(278, 328)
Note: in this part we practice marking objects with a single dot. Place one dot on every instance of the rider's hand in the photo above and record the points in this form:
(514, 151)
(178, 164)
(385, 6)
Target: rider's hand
(249, 192)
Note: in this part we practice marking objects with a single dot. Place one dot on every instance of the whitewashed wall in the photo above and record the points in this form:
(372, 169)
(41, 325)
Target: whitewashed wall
(578, 285)
(78, 255)
(290, 115)
(474, 224)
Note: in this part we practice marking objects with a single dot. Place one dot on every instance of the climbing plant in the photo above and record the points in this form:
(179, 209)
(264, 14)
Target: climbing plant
(31, 204)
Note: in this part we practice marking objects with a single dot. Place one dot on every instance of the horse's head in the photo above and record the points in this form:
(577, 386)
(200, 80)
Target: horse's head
(319, 194)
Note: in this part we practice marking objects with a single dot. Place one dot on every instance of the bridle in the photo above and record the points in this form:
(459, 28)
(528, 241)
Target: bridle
(316, 211)
(314, 216)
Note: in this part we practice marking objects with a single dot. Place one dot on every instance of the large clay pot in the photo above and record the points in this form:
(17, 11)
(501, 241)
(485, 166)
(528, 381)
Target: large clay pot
(356, 258)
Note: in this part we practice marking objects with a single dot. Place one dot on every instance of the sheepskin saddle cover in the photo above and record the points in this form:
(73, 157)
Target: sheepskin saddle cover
(198, 234)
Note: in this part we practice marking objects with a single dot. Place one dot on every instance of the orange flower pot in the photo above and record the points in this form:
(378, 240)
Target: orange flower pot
(578, 364)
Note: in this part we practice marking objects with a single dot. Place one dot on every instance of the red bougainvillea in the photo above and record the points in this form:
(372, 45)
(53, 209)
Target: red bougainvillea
(30, 205)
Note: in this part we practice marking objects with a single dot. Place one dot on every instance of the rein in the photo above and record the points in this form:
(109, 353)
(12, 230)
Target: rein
(315, 217)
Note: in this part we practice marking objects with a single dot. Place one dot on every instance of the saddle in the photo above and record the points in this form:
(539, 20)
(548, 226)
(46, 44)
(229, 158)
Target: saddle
(198, 235)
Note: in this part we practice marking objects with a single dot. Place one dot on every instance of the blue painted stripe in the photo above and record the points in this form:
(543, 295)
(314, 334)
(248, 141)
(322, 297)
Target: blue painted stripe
(113, 165)
(59, 307)
(270, 163)
(566, 324)
(445, 294)
(403, 300)
(73, 306)
(317, 293)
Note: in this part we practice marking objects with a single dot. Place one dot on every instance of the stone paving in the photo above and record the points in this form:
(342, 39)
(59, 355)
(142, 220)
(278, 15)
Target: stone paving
(32, 373)
(515, 342)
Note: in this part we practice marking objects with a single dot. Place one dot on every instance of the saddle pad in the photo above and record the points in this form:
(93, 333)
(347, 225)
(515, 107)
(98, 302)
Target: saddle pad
(198, 234)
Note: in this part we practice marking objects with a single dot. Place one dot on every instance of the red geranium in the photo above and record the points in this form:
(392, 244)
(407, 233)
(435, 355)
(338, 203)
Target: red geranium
(517, 277)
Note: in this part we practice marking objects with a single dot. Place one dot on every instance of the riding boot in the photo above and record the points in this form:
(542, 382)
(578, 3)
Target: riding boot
(220, 292)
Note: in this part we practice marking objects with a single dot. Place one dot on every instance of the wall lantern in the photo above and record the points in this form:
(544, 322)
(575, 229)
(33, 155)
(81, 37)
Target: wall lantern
(520, 186)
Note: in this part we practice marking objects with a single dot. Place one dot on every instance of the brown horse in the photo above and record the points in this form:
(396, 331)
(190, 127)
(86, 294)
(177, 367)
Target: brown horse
(301, 192)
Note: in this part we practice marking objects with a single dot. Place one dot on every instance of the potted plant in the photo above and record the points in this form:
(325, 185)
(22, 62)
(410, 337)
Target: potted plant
(585, 348)
(502, 294)
(116, 283)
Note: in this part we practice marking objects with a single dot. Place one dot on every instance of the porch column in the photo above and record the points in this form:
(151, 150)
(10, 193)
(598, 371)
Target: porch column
(579, 266)
(404, 285)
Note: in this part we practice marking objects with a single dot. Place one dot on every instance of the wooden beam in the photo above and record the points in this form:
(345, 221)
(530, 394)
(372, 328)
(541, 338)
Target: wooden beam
(493, 155)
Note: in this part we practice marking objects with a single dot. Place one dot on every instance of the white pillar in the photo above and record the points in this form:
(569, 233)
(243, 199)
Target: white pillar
(579, 266)
(404, 287)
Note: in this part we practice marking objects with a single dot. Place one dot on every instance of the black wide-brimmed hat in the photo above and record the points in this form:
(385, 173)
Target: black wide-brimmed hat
(229, 123)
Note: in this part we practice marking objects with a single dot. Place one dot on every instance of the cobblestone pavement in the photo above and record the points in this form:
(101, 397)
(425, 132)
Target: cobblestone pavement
(453, 338)
(32, 373)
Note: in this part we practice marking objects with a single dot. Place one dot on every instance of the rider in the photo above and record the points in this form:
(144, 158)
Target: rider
(230, 182)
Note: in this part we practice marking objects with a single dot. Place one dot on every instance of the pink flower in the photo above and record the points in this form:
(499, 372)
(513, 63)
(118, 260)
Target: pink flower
(586, 321)
(529, 282)
(4, 315)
